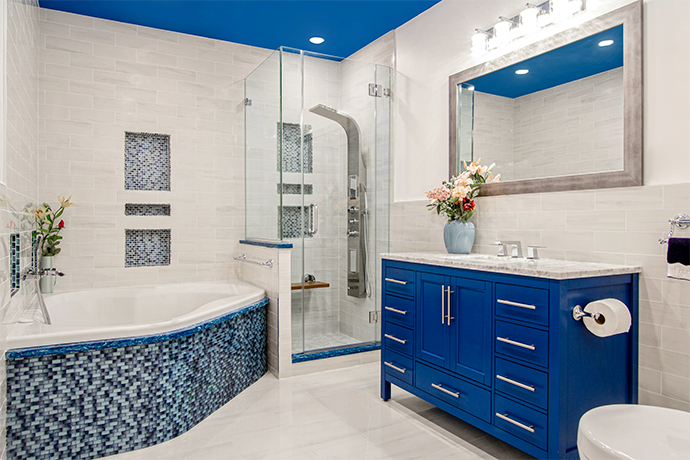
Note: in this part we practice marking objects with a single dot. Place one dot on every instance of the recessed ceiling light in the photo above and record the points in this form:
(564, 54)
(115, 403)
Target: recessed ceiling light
(316, 40)
(522, 71)
(606, 43)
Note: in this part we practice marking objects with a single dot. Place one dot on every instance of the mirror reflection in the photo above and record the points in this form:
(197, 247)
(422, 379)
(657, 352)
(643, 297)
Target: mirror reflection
(557, 114)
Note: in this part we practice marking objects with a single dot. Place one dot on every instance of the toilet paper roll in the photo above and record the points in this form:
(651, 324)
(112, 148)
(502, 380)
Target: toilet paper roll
(615, 317)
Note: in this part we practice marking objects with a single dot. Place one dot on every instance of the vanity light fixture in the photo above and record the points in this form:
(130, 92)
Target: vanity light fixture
(529, 21)
(317, 40)
(522, 71)
(604, 43)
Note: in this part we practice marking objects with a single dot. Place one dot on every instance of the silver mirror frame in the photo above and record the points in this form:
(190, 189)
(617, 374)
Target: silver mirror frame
(631, 175)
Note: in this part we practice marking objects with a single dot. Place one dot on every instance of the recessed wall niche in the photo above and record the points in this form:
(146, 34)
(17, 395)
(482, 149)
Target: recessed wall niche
(292, 221)
(147, 247)
(146, 209)
(15, 263)
(292, 147)
(147, 161)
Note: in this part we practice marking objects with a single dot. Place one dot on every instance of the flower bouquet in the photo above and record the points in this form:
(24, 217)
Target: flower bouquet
(455, 199)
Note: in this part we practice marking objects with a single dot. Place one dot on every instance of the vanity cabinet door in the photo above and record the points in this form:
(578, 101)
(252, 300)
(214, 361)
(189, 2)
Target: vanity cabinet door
(470, 329)
(431, 331)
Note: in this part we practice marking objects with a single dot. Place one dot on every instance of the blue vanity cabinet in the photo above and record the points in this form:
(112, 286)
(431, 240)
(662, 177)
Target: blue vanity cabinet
(502, 351)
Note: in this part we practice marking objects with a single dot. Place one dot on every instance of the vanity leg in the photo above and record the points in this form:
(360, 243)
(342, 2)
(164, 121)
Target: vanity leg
(385, 390)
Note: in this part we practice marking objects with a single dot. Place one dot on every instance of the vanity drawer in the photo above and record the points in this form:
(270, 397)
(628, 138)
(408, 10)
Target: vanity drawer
(399, 281)
(523, 303)
(399, 366)
(522, 342)
(522, 382)
(398, 338)
(457, 392)
(520, 421)
(398, 310)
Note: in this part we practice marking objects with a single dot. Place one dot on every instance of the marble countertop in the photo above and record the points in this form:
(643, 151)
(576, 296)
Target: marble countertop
(541, 268)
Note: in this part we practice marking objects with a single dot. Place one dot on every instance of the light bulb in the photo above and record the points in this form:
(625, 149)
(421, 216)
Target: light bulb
(502, 33)
(479, 43)
(316, 40)
(528, 20)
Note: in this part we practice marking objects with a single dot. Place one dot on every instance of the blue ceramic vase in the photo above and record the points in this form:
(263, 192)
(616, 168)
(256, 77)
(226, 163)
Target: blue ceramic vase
(458, 237)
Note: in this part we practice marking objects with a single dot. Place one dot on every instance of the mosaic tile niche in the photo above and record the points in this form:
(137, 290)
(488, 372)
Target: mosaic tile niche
(291, 148)
(147, 247)
(15, 263)
(292, 221)
(98, 402)
(295, 189)
(147, 161)
(142, 209)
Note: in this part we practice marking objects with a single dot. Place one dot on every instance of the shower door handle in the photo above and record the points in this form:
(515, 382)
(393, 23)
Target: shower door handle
(314, 220)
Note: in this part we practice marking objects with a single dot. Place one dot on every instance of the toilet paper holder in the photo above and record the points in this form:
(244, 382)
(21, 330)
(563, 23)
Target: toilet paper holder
(579, 313)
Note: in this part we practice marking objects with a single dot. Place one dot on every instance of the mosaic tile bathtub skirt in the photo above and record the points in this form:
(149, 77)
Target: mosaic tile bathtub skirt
(95, 403)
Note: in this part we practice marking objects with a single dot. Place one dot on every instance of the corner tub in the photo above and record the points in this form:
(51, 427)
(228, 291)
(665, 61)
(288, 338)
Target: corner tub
(127, 368)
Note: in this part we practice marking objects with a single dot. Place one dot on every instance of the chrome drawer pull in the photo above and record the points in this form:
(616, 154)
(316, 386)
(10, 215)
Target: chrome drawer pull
(517, 384)
(388, 336)
(517, 344)
(510, 420)
(396, 281)
(395, 310)
(516, 304)
(393, 366)
(439, 387)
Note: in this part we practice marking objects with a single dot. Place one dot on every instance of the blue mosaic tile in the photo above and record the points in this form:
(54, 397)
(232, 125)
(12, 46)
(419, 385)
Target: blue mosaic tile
(310, 356)
(295, 189)
(141, 209)
(292, 221)
(268, 244)
(147, 161)
(292, 149)
(15, 263)
(100, 402)
(147, 247)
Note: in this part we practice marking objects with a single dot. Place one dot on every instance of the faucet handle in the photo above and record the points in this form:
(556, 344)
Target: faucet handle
(501, 248)
(532, 252)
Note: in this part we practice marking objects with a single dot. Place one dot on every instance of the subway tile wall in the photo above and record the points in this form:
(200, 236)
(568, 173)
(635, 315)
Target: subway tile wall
(18, 196)
(619, 226)
(100, 79)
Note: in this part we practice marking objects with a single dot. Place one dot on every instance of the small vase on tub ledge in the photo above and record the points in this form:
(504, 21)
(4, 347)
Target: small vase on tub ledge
(49, 226)
(455, 199)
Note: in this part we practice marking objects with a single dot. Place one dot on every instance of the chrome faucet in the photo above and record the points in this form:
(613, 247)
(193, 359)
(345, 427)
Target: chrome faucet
(515, 248)
(36, 274)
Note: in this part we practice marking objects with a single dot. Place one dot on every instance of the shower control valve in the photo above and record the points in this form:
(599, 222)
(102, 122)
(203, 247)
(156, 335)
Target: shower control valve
(352, 233)
(352, 221)
(353, 209)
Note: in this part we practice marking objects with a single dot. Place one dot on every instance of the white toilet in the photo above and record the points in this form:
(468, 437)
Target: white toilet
(633, 432)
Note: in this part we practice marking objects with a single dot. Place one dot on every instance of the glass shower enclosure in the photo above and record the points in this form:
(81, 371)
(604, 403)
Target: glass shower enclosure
(317, 174)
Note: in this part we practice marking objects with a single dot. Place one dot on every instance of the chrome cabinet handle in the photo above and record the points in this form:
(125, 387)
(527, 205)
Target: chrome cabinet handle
(517, 344)
(443, 307)
(388, 336)
(439, 387)
(517, 304)
(448, 315)
(516, 423)
(393, 366)
(395, 310)
(396, 281)
(517, 384)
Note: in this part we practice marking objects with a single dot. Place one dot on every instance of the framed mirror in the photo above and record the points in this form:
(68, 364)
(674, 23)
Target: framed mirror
(564, 113)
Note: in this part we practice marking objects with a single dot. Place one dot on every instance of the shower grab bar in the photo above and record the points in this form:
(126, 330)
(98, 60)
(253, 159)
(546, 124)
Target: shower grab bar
(314, 220)
(243, 257)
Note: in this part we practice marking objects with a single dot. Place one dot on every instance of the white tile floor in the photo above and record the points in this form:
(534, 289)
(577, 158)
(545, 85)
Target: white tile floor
(325, 340)
(329, 415)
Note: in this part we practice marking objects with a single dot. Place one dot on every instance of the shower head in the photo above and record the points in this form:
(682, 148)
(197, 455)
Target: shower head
(347, 122)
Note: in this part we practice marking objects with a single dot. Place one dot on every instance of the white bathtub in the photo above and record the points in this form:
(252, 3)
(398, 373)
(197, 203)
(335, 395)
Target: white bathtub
(103, 314)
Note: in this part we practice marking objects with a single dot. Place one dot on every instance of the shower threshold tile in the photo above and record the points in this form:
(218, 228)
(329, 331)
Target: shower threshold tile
(326, 340)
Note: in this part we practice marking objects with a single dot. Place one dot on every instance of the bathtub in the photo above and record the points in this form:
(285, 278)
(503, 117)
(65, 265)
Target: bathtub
(126, 368)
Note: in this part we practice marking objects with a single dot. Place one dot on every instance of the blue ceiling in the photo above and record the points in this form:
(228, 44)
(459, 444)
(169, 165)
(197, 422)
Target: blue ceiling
(562, 65)
(347, 26)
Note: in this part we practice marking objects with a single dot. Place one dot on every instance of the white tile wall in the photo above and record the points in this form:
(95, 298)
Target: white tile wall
(607, 225)
(101, 78)
(19, 195)
(572, 128)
